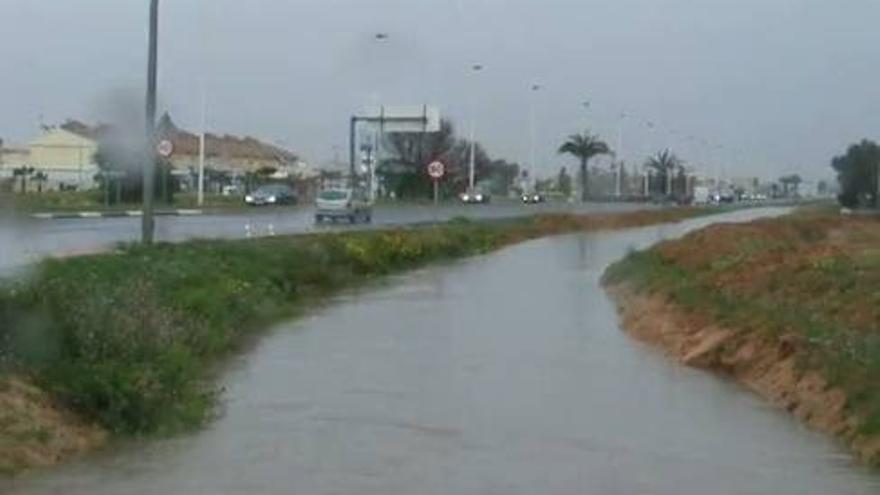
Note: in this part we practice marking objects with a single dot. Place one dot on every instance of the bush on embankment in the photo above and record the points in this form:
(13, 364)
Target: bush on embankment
(813, 276)
(127, 338)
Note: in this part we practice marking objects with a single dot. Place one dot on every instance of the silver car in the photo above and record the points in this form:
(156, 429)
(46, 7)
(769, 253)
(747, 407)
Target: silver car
(347, 204)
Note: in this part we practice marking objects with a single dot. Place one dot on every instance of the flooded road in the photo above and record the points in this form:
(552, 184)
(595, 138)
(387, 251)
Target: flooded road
(503, 374)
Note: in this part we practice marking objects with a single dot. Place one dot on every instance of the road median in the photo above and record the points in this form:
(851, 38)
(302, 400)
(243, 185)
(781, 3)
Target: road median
(64, 215)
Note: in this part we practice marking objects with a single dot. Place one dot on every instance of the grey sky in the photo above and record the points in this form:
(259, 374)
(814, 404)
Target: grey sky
(781, 84)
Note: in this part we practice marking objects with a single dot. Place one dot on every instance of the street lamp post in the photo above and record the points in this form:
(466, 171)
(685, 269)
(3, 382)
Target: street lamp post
(204, 97)
(532, 131)
(586, 105)
(379, 132)
(473, 148)
(147, 221)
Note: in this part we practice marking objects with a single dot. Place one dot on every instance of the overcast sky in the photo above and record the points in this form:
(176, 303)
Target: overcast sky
(775, 86)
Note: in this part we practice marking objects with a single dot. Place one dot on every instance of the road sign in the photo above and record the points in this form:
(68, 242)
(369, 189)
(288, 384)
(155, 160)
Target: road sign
(165, 148)
(436, 170)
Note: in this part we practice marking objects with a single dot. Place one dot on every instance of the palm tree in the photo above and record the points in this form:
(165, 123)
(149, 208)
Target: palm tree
(23, 172)
(40, 178)
(665, 163)
(584, 146)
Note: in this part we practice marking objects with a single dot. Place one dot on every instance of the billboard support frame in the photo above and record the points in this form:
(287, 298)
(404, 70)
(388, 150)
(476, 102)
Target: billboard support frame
(427, 120)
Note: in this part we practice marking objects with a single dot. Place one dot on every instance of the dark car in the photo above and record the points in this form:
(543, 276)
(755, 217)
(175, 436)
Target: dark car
(475, 197)
(533, 198)
(275, 194)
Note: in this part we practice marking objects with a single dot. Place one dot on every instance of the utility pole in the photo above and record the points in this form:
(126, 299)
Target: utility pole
(147, 221)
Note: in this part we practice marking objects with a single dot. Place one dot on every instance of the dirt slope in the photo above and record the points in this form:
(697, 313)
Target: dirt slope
(767, 365)
(36, 432)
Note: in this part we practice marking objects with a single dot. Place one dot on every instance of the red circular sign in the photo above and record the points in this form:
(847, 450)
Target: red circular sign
(165, 148)
(436, 170)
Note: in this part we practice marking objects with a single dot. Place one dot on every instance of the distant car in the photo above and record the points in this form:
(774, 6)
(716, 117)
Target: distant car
(475, 197)
(346, 204)
(231, 190)
(274, 194)
(533, 198)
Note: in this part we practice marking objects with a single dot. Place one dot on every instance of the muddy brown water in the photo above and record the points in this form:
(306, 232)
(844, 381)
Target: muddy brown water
(502, 374)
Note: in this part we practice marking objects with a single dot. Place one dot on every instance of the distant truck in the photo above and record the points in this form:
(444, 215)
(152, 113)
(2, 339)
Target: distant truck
(702, 195)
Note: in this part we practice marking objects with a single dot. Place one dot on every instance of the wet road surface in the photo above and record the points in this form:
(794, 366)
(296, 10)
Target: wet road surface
(502, 374)
(28, 240)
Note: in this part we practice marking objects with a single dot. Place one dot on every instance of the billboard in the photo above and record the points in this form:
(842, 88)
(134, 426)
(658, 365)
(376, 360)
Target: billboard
(403, 118)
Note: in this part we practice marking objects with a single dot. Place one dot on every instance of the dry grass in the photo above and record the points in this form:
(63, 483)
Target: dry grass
(35, 431)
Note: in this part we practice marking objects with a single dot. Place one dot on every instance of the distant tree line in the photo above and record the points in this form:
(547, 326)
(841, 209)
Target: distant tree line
(404, 170)
(857, 175)
(120, 175)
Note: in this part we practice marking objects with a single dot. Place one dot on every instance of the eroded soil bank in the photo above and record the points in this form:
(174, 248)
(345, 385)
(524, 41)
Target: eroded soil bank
(37, 431)
(787, 307)
(766, 365)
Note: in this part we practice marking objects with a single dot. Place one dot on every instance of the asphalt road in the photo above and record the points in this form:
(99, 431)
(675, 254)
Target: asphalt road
(24, 241)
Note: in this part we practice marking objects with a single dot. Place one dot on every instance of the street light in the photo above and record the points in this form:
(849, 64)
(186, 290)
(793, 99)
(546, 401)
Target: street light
(204, 97)
(378, 134)
(535, 89)
(473, 148)
(586, 106)
(147, 222)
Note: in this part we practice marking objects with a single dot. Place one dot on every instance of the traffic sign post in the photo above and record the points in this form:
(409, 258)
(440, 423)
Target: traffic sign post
(165, 148)
(436, 170)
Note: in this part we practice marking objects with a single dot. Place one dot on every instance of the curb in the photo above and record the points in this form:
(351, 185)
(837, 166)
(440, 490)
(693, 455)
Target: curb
(115, 214)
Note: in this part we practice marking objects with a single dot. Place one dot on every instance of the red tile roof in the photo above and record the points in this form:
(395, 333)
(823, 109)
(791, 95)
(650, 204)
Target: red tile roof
(187, 144)
(226, 146)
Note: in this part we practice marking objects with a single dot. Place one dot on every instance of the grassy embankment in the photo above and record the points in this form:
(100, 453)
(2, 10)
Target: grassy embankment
(804, 287)
(126, 340)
